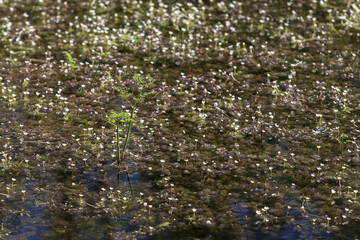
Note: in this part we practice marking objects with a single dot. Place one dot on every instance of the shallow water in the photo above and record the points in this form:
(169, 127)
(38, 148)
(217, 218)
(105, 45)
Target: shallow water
(252, 132)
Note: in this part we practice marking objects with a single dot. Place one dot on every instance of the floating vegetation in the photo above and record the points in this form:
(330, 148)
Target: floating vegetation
(251, 130)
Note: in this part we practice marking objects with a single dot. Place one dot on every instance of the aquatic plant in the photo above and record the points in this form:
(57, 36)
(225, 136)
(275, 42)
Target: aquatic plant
(81, 200)
(71, 62)
(343, 139)
(123, 117)
(194, 213)
(116, 119)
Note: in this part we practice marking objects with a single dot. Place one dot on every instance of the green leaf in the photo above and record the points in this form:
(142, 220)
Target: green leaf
(70, 60)
(117, 117)
(118, 89)
(164, 224)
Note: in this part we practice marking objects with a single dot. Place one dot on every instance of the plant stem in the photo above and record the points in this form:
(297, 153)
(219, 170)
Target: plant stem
(125, 145)
(128, 131)
(118, 143)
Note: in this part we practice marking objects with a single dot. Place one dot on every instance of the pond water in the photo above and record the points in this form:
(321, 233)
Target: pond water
(252, 130)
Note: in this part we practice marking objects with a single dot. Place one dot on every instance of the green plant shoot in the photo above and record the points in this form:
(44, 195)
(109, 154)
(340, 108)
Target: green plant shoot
(71, 62)
(118, 118)
(343, 139)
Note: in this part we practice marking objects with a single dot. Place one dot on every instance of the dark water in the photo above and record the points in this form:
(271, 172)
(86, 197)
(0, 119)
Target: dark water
(251, 133)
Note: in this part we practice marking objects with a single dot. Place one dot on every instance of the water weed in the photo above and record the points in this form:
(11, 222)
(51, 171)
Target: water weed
(72, 63)
(133, 99)
(343, 140)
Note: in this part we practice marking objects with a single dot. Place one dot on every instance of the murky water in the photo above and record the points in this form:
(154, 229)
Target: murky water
(252, 133)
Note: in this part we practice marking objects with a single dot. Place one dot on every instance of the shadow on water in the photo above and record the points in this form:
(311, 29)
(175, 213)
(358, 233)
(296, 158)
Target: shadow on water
(134, 177)
(119, 180)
